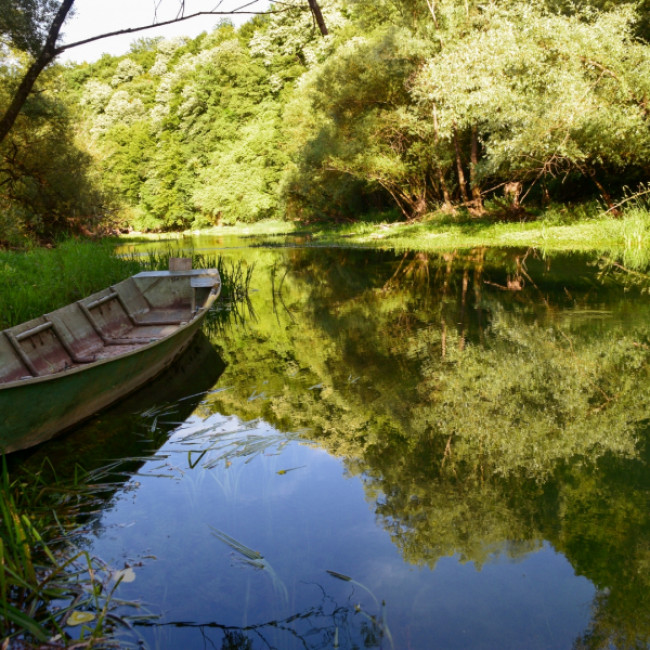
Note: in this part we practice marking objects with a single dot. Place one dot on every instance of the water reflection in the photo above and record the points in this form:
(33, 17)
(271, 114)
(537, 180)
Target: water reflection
(139, 424)
(482, 417)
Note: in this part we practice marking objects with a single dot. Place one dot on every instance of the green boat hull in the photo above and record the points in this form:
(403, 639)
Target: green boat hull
(36, 411)
(61, 368)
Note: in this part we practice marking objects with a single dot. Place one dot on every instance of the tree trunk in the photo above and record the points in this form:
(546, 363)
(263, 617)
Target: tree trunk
(459, 169)
(476, 190)
(606, 196)
(446, 199)
(318, 17)
(44, 58)
(441, 176)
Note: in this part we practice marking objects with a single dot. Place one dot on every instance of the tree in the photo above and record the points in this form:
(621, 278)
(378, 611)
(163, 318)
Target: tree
(35, 26)
(29, 31)
(546, 94)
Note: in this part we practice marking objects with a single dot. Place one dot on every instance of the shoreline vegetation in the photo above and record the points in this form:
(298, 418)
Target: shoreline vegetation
(625, 238)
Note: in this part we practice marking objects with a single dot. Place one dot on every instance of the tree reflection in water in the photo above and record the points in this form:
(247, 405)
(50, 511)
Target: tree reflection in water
(488, 399)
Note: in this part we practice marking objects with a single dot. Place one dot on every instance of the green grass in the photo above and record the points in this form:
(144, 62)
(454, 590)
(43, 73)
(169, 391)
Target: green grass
(40, 280)
(580, 228)
(37, 281)
(627, 236)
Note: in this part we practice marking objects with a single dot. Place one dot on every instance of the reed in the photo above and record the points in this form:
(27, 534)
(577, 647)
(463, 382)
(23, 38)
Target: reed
(235, 277)
(40, 280)
(35, 573)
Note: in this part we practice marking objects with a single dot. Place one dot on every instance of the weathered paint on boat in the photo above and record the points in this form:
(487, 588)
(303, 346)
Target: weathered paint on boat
(90, 354)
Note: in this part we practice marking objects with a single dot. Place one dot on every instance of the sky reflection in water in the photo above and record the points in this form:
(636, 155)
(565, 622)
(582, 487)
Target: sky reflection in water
(403, 451)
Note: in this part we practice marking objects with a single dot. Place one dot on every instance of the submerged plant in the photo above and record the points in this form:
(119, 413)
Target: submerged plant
(47, 588)
(255, 560)
(380, 623)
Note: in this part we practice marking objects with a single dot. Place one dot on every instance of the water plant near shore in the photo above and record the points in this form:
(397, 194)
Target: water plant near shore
(51, 591)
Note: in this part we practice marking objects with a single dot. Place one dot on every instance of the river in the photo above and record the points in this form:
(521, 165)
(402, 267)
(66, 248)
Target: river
(388, 450)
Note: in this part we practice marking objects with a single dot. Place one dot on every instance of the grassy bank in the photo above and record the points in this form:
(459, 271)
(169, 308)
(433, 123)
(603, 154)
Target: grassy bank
(37, 281)
(625, 238)
(40, 280)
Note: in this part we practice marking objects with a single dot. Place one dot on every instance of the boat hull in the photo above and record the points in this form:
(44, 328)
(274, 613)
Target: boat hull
(63, 367)
(36, 411)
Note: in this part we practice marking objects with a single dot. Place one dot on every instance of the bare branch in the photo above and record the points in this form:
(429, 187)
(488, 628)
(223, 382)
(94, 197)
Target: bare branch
(132, 30)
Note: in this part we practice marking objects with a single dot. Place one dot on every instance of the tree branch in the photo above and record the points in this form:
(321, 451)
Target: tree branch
(44, 58)
(318, 16)
(133, 30)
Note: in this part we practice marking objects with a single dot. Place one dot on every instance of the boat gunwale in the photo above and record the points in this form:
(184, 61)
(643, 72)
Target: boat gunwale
(72, 370)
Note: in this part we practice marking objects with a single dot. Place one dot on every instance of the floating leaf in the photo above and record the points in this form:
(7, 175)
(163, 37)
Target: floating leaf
(125, 575)
(78, 618)
(282, 472)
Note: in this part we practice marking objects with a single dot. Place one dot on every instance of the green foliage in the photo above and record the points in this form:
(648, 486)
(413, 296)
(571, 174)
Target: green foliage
(548, 93)
(407, 106)
(25, 22)
(361, 135)
(47, 186)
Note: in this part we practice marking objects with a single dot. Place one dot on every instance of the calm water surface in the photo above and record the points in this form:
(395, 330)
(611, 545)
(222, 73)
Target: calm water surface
(389, 450)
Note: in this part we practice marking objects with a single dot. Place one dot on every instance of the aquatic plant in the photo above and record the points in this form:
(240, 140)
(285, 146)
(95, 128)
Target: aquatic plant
(255, 560)
(51, 591)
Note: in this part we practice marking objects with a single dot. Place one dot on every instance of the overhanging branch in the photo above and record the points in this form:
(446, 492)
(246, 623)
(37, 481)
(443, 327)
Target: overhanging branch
(132, 30)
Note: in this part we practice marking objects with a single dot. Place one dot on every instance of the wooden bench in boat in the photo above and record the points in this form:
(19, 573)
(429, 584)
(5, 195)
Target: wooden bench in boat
(141, 310)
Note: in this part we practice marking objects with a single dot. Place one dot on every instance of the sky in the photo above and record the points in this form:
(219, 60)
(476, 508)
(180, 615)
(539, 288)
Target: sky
(94, 17)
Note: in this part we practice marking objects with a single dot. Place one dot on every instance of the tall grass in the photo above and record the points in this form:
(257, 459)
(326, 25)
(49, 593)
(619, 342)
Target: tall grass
(235, 278)
(40, 280)
(586, 228)
(35, 573)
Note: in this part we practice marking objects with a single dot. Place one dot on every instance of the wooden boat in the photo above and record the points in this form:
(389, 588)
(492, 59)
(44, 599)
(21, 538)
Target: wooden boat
(65, 366)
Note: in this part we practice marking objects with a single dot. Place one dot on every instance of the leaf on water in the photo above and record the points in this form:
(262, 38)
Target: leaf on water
(236, 546)
(125, 575)
(339, 576)
(78, 618)
(282, 472)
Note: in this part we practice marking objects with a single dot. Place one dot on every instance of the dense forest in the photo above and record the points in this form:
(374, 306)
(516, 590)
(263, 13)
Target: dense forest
(402, 109)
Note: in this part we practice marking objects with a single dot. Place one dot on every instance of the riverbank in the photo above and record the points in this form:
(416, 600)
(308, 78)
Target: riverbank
(625, 238)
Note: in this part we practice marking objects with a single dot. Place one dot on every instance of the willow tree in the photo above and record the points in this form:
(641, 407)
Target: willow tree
(547, 94)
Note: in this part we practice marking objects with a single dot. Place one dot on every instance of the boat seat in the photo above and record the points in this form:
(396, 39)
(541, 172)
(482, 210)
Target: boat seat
(55, 359)
(126, 337)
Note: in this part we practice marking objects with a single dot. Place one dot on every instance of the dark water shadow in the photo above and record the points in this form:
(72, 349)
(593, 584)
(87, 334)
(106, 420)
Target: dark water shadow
(125, 430)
